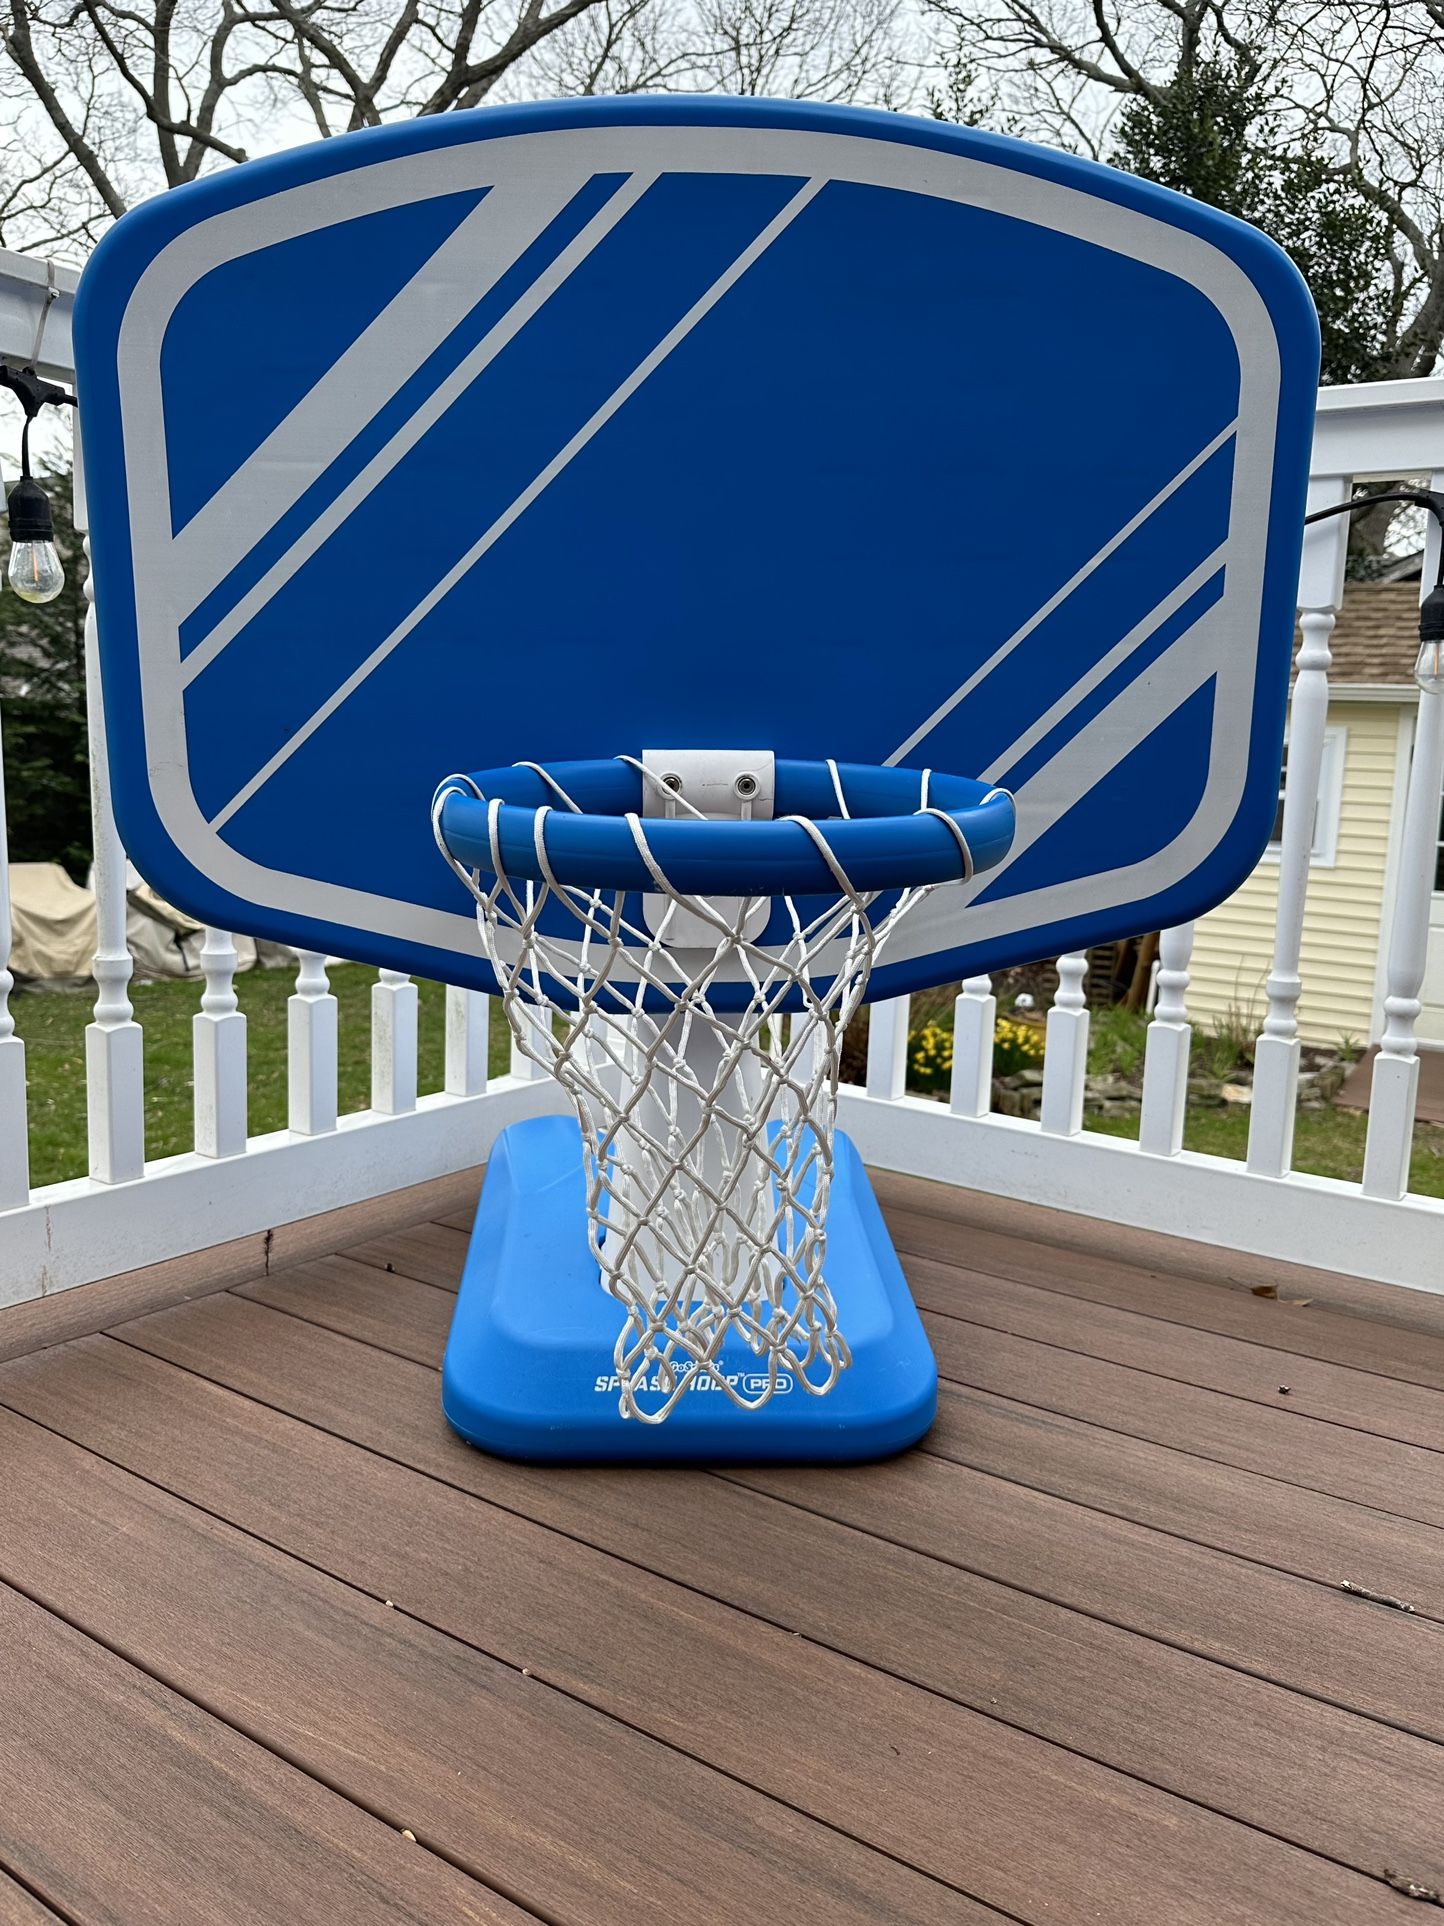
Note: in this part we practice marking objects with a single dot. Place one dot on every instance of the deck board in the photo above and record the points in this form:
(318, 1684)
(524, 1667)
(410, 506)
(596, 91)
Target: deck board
(124, 1801)
(1082, 1656)
(1279, 1440)
(1362, 1400)
(1408, 1352)
(21, 1908)
(1270, 1755)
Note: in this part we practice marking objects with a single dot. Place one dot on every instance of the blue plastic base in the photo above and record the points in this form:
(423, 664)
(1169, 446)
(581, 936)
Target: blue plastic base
(529, 1373)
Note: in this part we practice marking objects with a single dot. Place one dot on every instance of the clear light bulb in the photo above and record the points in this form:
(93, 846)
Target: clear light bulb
(1429, 666)
(35, 573)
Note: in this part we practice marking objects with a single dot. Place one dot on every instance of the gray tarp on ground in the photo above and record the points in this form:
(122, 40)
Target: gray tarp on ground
(55, 932)
(53, 920)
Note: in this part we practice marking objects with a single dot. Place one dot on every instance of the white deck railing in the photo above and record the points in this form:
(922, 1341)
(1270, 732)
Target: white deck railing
(129, 1212)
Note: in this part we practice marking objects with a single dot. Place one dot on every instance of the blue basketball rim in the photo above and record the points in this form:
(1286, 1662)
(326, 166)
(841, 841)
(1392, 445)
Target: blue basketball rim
(880, 828)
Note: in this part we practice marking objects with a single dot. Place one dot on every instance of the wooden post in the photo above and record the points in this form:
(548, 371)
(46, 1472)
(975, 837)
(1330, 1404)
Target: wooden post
(1394, 1090)
(1166, 1051)
(393, 1043)
(311, 1039)
(975, 1016)
(1276, 1053)
(1065, 1053)
(887, 1048)
(218, 1050)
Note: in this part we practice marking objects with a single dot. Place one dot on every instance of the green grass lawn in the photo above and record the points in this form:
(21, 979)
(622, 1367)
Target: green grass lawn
(1330, 1143)
(1327, 1143)
(53, 1026)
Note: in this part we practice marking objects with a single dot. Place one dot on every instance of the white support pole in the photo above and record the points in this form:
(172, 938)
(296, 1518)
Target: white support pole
(1276, 1053)
(218, 1050)
(1166, 1051)
(1065, 1052)
(114, 1068)
(1394, 1091)
(975, 1016)
(14, 1133)
(467, 1025)
(393, 1043)
(887, 1048)
(311, 1039)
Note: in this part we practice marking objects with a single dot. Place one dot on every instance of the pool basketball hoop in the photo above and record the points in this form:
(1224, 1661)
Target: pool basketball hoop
(690, 421)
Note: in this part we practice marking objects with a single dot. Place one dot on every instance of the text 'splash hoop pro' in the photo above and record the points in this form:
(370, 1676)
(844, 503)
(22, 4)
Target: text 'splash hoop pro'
(842, 554)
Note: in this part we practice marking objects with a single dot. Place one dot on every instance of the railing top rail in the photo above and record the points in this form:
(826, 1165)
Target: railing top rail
(33, 291)
(1376, 429)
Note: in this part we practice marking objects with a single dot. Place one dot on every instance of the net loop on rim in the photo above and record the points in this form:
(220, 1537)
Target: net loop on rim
(688, 981)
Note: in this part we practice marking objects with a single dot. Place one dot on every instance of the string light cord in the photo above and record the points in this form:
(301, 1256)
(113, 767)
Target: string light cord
(1429, 667)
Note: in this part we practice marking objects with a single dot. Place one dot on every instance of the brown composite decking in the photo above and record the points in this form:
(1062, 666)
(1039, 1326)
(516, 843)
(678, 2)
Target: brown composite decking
(278, 1648)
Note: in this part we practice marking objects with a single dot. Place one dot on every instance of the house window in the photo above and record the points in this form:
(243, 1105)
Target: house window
(1324, 844)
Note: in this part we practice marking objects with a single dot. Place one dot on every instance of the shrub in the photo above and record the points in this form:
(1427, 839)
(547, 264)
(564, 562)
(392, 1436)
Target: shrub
(930, 1057)
(1016, 1046)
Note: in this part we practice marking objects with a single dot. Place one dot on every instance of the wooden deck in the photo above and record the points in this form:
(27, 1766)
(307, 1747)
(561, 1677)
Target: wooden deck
(277, 1648)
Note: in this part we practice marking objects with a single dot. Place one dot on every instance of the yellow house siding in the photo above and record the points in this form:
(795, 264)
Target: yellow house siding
(1233, 948)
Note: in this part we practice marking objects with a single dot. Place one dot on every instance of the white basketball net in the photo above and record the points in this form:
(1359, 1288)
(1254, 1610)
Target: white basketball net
(707, 1136)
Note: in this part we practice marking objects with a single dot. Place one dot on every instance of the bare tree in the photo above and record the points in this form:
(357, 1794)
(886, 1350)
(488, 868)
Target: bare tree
(104, 101)
(836, 50)
(1360, 82)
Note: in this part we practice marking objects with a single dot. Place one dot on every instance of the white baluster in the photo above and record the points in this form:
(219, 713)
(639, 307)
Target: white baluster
(467, 1021)
(887, 1048)
(1065, 1055)
(114, 1067)
(14, 1137)
(975, 1016)
(311, 1032)
(218, 1051)
(1394, 1089)
(1166, 1051)
(536, 1020)
(393, 1043)
(1276, 1053)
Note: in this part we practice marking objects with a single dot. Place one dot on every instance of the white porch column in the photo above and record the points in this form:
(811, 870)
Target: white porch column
(467, 1027)
(218, 1049)
(887, 1047)
(1276, 1053)
(1394, 1090)
(1065, 1052)
(975, 1015)
(394, 1001)
(114, 1069)
(1166, 1051)
(14, 1130)
(311, 1049)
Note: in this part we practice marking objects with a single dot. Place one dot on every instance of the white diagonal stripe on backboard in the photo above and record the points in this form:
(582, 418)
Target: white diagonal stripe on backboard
(376, 365)
(426, 416)
(1059, 596)
(1082, 761)
(620, 395)
(1104, 666)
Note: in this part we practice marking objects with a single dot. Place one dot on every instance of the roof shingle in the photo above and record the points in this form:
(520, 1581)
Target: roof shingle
(1376, 637)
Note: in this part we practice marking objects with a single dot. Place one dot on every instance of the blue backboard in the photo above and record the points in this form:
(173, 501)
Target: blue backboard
(565, 430)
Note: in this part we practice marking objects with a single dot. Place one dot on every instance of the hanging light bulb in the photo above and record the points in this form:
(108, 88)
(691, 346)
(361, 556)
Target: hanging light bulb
(1429, 668)
(35, 572)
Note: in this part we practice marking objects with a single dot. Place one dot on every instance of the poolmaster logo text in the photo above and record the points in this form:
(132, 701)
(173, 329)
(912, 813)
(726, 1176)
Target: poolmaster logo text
(749, 1383)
